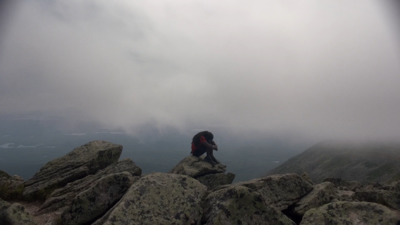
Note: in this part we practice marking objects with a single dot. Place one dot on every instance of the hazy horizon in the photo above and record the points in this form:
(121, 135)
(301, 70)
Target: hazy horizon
(28, 142)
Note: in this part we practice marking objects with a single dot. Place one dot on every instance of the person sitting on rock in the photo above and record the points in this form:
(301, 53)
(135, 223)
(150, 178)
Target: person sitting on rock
(203, 143)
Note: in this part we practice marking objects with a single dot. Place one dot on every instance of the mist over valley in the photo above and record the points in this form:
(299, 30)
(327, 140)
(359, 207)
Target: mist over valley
(27, 143)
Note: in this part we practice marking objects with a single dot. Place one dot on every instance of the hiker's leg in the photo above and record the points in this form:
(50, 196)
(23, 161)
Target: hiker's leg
(209, 157)
(210, 154)
(199, 152)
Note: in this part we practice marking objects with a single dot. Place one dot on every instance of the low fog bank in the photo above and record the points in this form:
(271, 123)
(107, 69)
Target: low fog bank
(27, 142)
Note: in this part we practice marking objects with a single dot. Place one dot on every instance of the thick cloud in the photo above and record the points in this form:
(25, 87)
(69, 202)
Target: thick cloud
(311, 68)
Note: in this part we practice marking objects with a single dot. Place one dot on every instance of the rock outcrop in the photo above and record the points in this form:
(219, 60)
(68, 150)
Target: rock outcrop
(11, 187)
(207, 174)
(384, 195)
(321, 194)
(159, 198)
(239, 204)
(94, 202)
(351, 213)
(91, 186)
(82, 161)
(14, 213)
(281, 191)
(63, 197)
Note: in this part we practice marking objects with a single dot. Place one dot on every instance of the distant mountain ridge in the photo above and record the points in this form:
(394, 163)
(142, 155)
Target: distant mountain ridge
(364, 162)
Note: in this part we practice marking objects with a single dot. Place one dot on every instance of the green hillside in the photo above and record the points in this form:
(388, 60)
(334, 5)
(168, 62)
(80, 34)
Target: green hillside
(365, 162)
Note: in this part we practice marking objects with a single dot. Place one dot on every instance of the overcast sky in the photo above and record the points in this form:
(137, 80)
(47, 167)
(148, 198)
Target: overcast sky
(319, 69)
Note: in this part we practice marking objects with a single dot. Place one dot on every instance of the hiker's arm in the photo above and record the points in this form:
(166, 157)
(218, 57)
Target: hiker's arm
(209, 145)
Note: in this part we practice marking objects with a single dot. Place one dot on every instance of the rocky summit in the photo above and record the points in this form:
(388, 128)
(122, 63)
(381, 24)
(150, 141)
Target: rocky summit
(91, 185)
(207, 174)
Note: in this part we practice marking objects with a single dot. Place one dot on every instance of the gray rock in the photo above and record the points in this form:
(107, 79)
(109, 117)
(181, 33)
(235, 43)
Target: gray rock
(356, 213)
(344, 185)
(214, 180)
(395, 186)
(209, 175)
(344, 195)
(92, 203)
(280, 190)
(14, 214)
(82, 161)
(321, 194)
(11, 187)
(388, 198)
(195, 167)
(62, 198)
(124, 165)
(237, 204)
(159, 198)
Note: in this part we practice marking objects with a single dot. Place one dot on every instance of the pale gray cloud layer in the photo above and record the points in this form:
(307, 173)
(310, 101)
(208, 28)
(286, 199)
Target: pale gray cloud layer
(322, 69)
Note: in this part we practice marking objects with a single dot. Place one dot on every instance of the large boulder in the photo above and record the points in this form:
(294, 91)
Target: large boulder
(350, 213)
(382, 195)
(237, 204)
(11, 187)
(94, 202)
(207, 174)
(14, 214)
(322, 194)
(344, 185)
(82, 161)
(159, 198)
(61, 198)
(217, 179)
(281, 190)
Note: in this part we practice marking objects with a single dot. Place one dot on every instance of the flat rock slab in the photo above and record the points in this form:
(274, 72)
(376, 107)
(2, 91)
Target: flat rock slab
(280, 190)
(195, 167)
(215, 180)
(351, 213)
(237, 204)
(207, 174)
(63, 197)
(82, 161)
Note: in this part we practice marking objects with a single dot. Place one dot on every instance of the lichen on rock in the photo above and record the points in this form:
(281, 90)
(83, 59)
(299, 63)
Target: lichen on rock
(281, 190)
(321, 194)
(343, 212)
(236, 204)
(159, 198)
(94, 202)
(209, 175)
(82, 161)
(14, 213)
(11, 187)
